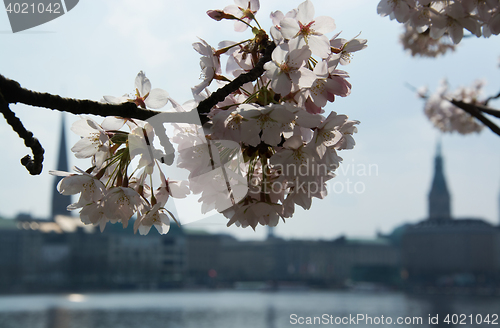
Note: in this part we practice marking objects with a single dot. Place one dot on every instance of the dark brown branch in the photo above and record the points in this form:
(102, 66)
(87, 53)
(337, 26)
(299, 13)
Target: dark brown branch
(488, 110)
(474, 111)
(13, 93)
(35, 165)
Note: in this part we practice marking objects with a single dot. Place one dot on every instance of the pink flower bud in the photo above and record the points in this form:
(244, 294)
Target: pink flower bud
(216, 14)
(219, 15)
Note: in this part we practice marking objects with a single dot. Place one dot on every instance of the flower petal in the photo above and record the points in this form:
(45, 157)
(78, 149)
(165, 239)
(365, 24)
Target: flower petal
(114, 100)
(305, 12)
(324, 24)
(112, 123)
(82, 128)
(142, 84)
(157, 98)
(289, 28)
(85, 148)
(320, 45)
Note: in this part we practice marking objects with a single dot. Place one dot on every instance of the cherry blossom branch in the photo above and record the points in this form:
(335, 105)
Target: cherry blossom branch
(476, 112)
(12, 92)
(35, 165)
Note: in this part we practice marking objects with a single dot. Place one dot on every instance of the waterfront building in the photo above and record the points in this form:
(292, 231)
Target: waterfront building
(446, 251)
(64, 254)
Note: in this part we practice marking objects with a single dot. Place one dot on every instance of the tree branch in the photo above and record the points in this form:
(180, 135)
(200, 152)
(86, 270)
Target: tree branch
(476, 112)
(35, 165)
(489, 110)
(12, 92)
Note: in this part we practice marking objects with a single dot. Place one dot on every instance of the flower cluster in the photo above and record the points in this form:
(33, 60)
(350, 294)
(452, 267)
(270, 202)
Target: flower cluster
(423, 44)
(267, 147)
(289, 147)
(448, 117)
(427, 21)
(109, 192)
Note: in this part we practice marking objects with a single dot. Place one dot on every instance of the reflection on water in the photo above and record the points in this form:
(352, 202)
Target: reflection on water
(235, 309)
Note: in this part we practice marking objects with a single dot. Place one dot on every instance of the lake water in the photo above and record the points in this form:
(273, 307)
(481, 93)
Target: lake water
(242, 309)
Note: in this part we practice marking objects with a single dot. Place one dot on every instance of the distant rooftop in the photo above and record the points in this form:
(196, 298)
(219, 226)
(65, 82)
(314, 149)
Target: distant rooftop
(461, 224)
(8, 224)
(362, 241)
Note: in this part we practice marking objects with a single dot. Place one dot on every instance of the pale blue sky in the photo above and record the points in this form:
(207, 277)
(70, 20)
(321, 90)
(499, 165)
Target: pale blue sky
(99, 47)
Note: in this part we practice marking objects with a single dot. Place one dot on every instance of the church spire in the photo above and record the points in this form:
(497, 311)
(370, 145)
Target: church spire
(60, 202)
(439, 197)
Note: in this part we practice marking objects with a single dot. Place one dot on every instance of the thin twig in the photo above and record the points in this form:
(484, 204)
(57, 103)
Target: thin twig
(35, 165)
(491, 98)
